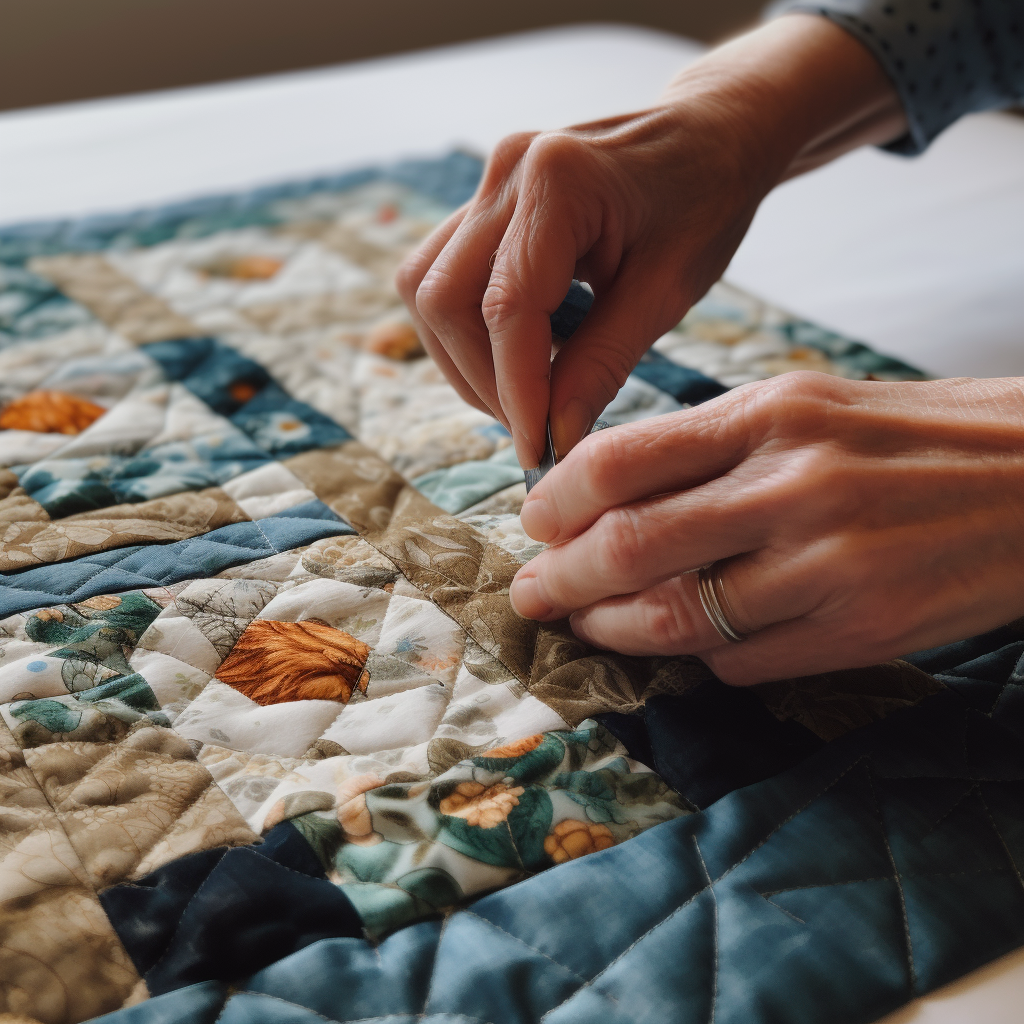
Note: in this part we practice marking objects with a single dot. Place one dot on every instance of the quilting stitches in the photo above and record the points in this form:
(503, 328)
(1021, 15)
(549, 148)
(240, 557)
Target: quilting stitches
(45, 919)
(161, 520)
(675, 911)
(113, 298)
(909, 948)
(282, 290)
(230, 545)
(145, 748)
(799, 920)
(714, 933)
(523, 942)
(1001, 838)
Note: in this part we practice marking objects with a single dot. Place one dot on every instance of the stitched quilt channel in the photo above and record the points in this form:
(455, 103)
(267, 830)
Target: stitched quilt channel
(275, 745)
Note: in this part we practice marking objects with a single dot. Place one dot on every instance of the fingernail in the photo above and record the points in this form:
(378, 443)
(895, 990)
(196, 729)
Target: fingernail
(525, 452)
(570, 425)
(537, 521)
(578, 626)
(528, 598)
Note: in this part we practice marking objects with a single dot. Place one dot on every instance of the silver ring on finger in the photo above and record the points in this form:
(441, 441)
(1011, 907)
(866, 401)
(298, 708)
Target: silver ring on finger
(712, 596)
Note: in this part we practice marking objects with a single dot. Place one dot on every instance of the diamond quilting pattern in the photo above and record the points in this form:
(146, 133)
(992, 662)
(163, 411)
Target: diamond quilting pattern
(231, 626)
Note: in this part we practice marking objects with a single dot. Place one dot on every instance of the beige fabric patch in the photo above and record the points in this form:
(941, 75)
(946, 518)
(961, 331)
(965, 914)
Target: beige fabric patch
(128, 807)
(60, 959)
(113, 297)
(346, 240)
(306, 312)
(468, 578)
(29, 537)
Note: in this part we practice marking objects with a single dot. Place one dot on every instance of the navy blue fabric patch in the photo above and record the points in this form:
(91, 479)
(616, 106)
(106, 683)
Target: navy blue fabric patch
(686, 386)
(223, 378)
(219, 914)
(565, 320)
(151, 565)
(711, 740)
(284, 426)
(239, 388)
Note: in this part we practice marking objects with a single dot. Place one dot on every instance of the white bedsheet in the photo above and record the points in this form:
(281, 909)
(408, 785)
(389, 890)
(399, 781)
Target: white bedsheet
(921, 258)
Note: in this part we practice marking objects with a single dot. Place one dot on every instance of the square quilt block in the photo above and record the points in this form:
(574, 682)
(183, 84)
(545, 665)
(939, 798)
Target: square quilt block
(275, 743)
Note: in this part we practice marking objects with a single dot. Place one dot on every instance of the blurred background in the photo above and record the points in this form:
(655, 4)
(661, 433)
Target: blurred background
(55, 51)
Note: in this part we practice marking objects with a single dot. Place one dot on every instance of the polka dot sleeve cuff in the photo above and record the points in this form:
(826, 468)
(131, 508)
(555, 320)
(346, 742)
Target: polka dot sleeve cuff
(947, 58)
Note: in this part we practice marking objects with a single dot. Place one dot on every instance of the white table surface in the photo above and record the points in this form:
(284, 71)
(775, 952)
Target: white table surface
(922, 258)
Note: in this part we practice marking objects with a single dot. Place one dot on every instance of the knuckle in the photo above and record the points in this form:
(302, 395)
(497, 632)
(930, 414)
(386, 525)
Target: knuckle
(610, 365)
(620, 543)
(433, 297)
(794, 404)
(668, 621)
(813, 481)
(601, 457)
(504, 158)
(554, 153)
(499, 306)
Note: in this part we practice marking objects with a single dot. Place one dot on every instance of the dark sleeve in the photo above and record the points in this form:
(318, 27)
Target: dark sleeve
(946, 58)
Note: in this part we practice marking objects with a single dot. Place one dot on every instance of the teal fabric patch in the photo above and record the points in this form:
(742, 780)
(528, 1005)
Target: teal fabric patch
(456, 488)
(235, 386)
(885, 865)
(32, 307)
(284, 426)
(127, 698)
(223, 378)
(67, 486)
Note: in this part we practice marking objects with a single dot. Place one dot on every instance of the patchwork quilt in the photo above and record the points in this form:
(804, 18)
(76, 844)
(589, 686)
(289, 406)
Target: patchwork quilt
(274, 746)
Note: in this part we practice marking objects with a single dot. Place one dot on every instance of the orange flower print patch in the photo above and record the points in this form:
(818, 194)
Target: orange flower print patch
(50, 412)
(275, 662)
(483, 806)
(516, 748)
(243, 268)
(353, 814)
(394, 339)
(570, 839)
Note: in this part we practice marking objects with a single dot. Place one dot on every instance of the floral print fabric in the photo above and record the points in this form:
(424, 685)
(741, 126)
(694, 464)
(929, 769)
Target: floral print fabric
(254, 566)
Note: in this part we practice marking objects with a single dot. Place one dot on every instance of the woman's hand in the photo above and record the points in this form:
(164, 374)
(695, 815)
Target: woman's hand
(648, 208)
(858, 521)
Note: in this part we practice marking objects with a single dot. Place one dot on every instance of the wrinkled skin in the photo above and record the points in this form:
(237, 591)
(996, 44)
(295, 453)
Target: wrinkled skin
(858, 521)
(647, 208)
(854, 521)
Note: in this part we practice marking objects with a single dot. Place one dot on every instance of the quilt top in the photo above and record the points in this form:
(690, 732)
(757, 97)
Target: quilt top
(275, 747)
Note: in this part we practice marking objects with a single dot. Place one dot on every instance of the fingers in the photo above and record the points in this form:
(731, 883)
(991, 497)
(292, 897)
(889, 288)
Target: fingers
(408, 280)
(670, 453)
(665, 619)
(532, 273)
(593, 365)
(764, 595)
(617, 467)
(632, 548)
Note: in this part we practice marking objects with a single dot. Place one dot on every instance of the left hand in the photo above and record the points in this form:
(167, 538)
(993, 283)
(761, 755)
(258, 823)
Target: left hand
(856, 522)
